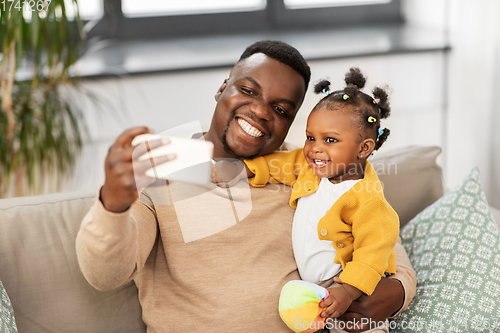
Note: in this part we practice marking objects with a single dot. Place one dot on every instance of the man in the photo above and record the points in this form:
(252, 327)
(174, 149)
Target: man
(197, 268)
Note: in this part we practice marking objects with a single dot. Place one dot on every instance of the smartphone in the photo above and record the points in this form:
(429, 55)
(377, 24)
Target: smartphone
(193, 162)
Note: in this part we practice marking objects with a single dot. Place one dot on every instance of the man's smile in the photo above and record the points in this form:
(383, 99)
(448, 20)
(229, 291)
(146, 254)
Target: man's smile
(249, 129)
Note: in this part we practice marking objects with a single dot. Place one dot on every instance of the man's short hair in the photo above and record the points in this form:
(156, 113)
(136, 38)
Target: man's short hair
(284, 53)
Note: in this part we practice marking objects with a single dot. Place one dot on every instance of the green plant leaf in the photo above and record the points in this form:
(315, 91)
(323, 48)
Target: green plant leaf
(35, 30)
(49, 128)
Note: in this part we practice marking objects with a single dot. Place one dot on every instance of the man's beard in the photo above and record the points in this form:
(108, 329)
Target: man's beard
(228, 149)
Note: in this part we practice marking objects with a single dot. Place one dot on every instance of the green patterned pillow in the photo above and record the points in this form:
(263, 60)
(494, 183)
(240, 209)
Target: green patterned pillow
(454, 247)
(7, 322)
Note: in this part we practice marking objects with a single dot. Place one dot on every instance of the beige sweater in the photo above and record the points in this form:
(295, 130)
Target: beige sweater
(201, 262)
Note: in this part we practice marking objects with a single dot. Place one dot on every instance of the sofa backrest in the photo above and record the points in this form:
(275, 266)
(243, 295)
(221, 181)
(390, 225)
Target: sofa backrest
(40, 272)
(411, 178)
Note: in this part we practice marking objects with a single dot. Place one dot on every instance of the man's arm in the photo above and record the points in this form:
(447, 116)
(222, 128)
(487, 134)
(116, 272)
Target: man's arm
(391, 296)
(118, 232)
(405, 275)
(112, 247)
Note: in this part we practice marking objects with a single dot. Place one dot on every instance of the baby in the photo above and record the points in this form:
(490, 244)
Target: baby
(343, 226)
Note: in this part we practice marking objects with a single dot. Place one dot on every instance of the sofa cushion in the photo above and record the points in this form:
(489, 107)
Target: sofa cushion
(454, 247)
(39, 269)
(411, 177)
(7, 320)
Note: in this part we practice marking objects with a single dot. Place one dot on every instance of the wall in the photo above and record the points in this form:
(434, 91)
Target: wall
(441, 100)
(167, 100)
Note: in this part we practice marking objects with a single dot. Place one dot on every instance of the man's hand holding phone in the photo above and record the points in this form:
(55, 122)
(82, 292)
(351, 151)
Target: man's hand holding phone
(138, 158)
(125, 173)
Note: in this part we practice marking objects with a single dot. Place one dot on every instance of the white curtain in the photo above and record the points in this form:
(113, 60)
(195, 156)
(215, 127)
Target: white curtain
(495, 123)
(473, 108)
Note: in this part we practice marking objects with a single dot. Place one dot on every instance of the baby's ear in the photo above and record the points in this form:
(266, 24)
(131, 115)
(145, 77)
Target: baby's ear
(367, 146)
(221, 90)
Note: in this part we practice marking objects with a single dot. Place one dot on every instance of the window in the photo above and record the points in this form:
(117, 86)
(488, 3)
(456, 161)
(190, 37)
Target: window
(89, 9)
(162, 7)
(294, 4)
(143, 19)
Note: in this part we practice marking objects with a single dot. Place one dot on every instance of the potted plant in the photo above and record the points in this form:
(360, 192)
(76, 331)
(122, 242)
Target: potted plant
(41, 131)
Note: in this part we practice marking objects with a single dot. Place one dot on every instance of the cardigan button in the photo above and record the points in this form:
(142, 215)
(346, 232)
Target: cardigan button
(323, 232)
(340, 245)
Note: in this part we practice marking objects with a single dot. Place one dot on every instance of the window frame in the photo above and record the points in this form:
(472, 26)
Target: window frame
(274, 17)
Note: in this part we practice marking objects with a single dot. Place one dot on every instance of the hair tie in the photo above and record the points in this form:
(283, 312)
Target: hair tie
(372, 119)
(380, 131)
(345, 97)
(326, 92)
(376, 100)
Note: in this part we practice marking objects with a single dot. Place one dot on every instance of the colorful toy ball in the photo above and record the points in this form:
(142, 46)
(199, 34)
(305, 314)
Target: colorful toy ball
(299, 306)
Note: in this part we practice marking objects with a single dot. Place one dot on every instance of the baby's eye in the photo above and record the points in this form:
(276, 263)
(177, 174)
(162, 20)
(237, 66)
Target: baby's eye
(330, 140)
(310, 138)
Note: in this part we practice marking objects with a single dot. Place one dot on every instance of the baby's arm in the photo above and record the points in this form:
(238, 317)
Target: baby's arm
(279, 167)
(375, 229)
(340, 298)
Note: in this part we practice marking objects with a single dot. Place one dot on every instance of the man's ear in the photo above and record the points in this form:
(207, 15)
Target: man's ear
(366, 147)
(221, 90)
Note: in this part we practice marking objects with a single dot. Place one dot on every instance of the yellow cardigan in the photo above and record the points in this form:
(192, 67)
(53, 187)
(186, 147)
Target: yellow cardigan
(361, 224)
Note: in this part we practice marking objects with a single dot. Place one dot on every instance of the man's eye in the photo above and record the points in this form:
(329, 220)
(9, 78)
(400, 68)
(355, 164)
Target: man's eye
(310, 138)
(247, 91)
(330, 140)
(281, 110)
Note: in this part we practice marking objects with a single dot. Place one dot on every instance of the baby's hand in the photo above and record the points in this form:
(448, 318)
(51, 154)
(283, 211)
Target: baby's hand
(227, 173)
(336, 303)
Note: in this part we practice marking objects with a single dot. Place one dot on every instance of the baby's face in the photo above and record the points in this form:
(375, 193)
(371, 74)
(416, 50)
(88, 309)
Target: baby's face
(333, 144)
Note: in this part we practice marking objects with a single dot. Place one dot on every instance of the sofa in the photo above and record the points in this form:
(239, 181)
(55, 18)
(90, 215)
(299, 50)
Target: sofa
(48, 293)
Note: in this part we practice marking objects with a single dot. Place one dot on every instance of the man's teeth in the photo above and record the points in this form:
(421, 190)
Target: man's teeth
(249, 129)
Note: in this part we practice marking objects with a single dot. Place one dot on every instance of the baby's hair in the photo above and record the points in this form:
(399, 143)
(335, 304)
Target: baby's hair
(284, 53)
(369, 109)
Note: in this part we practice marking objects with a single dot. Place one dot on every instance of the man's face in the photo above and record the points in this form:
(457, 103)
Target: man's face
(255, 107)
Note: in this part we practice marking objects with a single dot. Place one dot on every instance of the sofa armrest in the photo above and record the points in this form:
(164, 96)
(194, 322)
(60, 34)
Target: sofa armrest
(40, 272)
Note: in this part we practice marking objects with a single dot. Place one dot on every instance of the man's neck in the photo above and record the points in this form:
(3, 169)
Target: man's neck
(219, 151)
